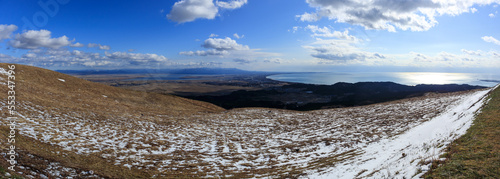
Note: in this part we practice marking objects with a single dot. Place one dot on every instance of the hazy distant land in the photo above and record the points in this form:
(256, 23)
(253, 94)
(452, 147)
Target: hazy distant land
(233, 88)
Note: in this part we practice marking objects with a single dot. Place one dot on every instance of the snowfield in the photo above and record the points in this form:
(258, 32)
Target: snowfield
(374, 141)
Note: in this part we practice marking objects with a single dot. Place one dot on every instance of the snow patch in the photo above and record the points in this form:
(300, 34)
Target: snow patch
(3, 71)
(398, 157)
(61, 80)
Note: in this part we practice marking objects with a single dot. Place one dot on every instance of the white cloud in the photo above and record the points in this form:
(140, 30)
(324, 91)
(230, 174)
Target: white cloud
(136, 58)
(29, 55)
(294, 29)
(491, 15)
(96, 63)
(342, 52)
(418, 15)
(213, 35)
(235, 35)
(338, 46)
(6, 31)
(189, 10)
(224, 44)
(495, 54)
(233, 4)
(77, 45)
(468, 59)
(418, 57)
(217, 46)
(491, 40)
(227, 48)
(276, 61)
(62, 57)
(471, 52)
(473, 10)
(102, 47)
(205, 53)
(242, 61)
(326, 32)
(34, 39)
(310, 17)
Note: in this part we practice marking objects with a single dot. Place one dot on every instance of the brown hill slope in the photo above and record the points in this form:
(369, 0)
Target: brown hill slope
(56, 90)
(67, 127)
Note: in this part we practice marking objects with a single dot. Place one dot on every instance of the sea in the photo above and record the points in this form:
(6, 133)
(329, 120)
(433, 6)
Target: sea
(406, 78)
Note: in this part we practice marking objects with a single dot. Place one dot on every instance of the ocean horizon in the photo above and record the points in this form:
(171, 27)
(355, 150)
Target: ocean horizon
(405, 78)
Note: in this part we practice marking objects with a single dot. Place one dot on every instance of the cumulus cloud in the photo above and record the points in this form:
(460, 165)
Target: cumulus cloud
(471, 52)
(490, 39)
(136, 58)
(77, 45)
(326, 32)
(338, 46)
(102, 47)
(217, 46)
(418, 57)
(190, 10)
(468, 58)
(34, 39)
(418, 15)
(495, 54)
(491, 15)
(204, 53)
(233, 4)
(275, 60)
(6, 31)
(63, 57)
(224, 44)
(343, 52)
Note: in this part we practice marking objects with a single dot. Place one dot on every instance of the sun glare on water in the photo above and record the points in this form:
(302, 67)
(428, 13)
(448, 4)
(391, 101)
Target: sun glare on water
(434, 78)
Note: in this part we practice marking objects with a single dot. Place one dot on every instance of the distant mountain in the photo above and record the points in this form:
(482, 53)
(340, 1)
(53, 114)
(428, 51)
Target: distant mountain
(201, 71)
(215, 71)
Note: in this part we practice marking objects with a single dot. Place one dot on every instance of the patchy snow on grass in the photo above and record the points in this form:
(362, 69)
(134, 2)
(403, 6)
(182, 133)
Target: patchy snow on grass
(401, 156)
(3, 71)
(3, 81)
(340, 143)
(61, 80)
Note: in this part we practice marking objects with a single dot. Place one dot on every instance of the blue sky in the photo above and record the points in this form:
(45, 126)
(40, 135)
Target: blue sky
(274, 35)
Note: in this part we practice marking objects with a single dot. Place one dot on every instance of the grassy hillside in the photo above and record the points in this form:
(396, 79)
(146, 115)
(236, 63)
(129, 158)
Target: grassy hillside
(68, 127)
(56, 90)
(477, 153)
(54, 95)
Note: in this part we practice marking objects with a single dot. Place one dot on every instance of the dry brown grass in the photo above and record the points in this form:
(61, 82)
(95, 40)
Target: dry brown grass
(42, 87)
(256, 142)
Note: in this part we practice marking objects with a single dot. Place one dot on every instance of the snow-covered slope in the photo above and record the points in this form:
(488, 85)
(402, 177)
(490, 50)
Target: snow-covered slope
(387, 139)
(402, 156)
